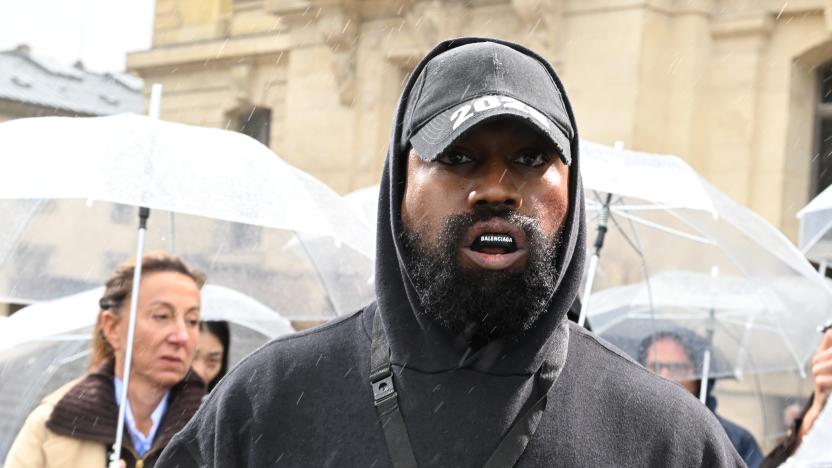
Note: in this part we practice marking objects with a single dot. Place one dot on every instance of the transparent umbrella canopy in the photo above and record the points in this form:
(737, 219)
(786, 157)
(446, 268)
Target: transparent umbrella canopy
(219, 199)
(816, 228)
(747, 284)
(45, 345)
(734, 311)
(365, 202)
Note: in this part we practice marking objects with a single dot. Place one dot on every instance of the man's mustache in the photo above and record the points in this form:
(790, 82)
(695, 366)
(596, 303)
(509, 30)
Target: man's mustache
(457, 224)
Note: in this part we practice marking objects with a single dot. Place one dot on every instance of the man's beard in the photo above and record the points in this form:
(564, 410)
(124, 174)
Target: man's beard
(480, 305)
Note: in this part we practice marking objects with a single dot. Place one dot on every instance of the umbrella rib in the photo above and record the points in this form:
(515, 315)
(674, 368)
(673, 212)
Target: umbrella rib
(656, 207)
(636, 248)
(635, 243)
(74, 357)
(756, 373)
(792, 351)
(749, 324)
(645, 273)
(316, 268)
(666, 229)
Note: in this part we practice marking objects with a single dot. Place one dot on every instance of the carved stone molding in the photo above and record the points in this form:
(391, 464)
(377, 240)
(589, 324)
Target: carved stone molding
(541, 19)
(338, 23)
(757, 25)
(433, 21)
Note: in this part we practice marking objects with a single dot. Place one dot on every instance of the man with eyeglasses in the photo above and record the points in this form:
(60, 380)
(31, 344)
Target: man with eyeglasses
(677, 355)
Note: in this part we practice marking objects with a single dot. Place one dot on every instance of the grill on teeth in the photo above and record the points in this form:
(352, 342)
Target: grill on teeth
(502, 238)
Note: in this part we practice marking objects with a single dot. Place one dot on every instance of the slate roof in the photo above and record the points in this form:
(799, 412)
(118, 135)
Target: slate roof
(39, 81)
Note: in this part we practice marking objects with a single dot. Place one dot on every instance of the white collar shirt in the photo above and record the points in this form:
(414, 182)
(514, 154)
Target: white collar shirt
(141, 442)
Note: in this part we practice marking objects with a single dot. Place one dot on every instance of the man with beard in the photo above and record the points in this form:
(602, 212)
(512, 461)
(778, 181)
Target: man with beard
(465, 358)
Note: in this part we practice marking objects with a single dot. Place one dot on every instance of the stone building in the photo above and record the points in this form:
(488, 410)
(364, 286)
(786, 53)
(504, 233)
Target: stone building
(732, 86)
(741, 89)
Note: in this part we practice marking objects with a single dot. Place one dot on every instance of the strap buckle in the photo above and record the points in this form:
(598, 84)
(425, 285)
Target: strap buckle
(383, 388)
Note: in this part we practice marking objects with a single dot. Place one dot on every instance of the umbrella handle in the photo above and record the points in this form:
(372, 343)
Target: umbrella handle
(706, 369)
(590, 279)
(601, 232)
(603, 221)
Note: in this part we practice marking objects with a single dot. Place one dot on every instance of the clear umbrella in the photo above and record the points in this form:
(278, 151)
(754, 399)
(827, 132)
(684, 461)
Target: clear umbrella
(221, 200)
(45, 345)
(816, 228)
(664, 217)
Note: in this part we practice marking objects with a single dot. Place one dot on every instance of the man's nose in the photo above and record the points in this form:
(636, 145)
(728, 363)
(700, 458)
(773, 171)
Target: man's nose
(495, 185)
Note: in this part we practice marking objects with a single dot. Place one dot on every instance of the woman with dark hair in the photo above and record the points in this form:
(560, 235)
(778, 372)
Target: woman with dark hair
(211, 358)
(76, 425)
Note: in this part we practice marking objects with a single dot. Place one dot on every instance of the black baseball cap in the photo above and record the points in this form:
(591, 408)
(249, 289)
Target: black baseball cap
(474, 83)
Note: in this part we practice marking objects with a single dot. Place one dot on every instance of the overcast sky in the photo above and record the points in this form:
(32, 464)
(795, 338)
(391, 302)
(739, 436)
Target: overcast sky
(99, 32)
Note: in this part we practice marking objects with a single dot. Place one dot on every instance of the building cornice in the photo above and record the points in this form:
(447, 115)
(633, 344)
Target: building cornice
(217, 49)
(752, 25)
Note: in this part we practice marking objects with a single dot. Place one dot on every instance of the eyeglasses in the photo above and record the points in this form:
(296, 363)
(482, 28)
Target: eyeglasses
(672, 369)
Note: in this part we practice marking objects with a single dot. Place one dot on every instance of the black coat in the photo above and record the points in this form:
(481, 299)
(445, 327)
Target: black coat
(744, 442)
(306, 400)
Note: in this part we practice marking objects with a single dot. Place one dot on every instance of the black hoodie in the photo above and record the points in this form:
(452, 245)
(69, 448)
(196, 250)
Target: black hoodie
(306, 400)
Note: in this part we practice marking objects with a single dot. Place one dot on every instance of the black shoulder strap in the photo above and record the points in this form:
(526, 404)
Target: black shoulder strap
(509, 450)
(515, 441)
(387, 400)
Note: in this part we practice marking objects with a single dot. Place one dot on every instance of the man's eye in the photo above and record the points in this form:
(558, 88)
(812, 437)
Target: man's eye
(454, 158)
(160, 316)
(533, 159)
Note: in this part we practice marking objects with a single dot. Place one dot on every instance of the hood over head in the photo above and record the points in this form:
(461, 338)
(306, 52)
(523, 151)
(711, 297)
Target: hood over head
(509, 80)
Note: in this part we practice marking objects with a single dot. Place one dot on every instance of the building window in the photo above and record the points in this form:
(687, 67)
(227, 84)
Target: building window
(256, 123)
(822, 160)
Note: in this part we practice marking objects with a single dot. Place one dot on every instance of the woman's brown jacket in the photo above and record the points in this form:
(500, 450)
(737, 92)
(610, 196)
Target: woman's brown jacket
(76, 425)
